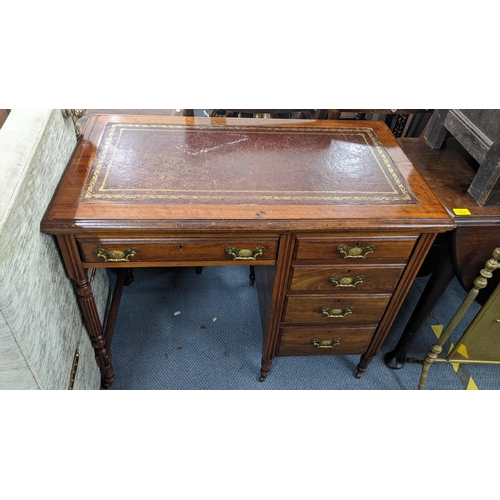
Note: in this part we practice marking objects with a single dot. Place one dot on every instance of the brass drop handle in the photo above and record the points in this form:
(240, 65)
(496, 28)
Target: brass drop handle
(325, 344)
(116, 255)
(355, 252)
(347, 281)
(336, 313)
(245, 253)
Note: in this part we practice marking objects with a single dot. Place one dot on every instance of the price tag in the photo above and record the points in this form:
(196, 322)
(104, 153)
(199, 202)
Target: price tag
(461, 211)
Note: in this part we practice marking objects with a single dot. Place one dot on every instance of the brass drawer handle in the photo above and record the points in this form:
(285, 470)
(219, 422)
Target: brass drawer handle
(336, 313)
(116, 255)
(355, 252)
(346, 282)
(325, 344)
(245, 253)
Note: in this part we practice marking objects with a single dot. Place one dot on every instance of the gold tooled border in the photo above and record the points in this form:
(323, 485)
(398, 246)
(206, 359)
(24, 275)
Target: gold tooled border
(399, 193)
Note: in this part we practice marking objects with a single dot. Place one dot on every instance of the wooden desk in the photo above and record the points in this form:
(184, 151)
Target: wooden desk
(333, 216)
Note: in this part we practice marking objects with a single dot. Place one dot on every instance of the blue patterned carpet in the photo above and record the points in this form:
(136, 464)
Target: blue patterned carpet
(178, 330)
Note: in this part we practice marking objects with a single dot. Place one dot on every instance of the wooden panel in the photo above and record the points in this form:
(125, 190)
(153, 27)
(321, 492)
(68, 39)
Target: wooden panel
(485, 188)
(298, 341)
(281, 278)
(473, 246)
(367, 309)
(449, 176)
(375, 278)
(478, 131)
(486, 120)
(472, 137)
(321, 248)
(179, 250)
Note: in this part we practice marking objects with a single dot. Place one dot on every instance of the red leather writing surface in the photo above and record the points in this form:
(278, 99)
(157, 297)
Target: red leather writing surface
(198, 164)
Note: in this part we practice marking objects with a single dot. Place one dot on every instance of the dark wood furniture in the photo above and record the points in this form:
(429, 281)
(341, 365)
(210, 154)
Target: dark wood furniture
(319, 114)
(333, 216)
(461, 252)
(402, 122)
(478, 131)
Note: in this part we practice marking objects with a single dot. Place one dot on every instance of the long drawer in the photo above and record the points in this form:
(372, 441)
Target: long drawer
(306, 341)
(335, 311)
(139, 250)
(354, 248)
(351, 278)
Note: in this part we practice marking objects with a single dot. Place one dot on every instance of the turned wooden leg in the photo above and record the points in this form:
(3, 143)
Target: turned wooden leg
(265, 368)
(363, 365)
(88, 307)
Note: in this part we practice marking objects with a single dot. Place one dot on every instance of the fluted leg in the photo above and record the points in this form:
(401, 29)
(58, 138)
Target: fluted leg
(88, 306)
(363, 365)
(90, 314)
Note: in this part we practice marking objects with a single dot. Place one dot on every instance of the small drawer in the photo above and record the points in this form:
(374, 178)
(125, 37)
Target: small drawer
(321, 341)
(341, 279)
(143, 251)
(354, 249)
(338, 311)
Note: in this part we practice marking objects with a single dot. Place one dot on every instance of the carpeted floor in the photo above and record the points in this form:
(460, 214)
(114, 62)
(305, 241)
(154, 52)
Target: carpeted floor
(178, 330)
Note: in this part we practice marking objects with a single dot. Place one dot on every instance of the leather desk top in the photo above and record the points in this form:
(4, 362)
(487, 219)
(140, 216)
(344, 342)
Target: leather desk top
(215, 173)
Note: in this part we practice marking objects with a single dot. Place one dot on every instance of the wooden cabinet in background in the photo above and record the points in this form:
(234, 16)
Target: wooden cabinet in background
(478, 131)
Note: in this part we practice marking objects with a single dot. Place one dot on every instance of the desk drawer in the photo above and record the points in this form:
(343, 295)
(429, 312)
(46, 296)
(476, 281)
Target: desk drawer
(220, 251)
(354, 249)
(338, 311)
(341, 279)
(320, 341)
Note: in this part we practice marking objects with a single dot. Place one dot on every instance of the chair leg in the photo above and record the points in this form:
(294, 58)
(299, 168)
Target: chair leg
(252, 275)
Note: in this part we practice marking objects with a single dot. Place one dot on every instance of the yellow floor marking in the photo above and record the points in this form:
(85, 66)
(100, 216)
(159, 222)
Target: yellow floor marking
(461, 350)
(471, 385)
(437, 329)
